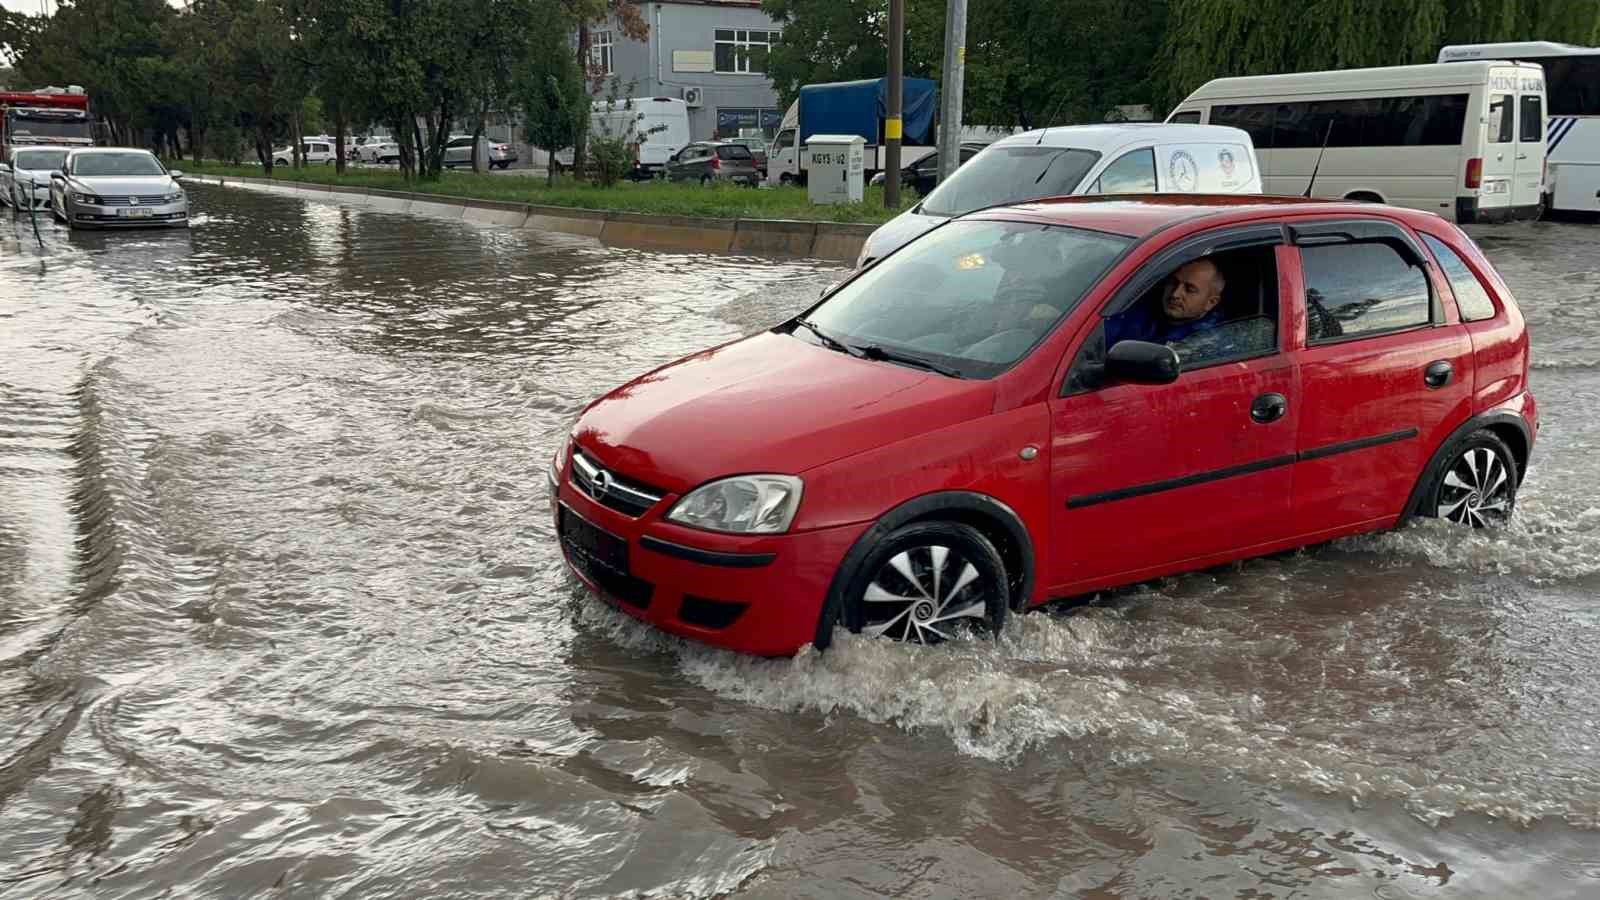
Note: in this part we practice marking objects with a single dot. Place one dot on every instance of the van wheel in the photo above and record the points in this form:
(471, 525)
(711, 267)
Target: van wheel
(786, 178)
(1477, 484)
(927, 582)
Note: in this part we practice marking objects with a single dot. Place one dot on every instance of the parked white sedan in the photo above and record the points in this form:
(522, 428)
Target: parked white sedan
(25, 180)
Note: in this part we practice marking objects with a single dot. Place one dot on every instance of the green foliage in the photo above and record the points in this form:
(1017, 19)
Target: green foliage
(550, 91)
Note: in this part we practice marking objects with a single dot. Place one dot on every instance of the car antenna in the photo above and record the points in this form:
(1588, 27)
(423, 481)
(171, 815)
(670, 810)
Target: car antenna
(1325, 135)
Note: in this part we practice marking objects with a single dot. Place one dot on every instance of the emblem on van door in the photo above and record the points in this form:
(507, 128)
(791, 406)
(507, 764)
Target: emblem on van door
(1182, 171)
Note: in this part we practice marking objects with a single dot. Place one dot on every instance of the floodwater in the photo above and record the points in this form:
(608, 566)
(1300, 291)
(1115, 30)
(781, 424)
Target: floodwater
(282, 613)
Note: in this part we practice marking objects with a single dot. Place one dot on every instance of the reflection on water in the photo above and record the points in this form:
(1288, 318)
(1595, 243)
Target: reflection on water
(280, 611)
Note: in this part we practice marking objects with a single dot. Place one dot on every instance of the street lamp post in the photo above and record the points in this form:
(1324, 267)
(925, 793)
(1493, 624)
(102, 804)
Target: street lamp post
(955, 64)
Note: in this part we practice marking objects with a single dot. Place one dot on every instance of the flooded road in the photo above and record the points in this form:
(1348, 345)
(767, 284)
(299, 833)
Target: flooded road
(281, 612)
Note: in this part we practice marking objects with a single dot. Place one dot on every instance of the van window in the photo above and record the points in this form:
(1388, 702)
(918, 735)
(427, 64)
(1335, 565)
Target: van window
(1361, 289)
(1501, 121)
(1187, 117)
(1133, 173)
(1420, 121)
(785, 141)
(1472, 299)
(1532, 119)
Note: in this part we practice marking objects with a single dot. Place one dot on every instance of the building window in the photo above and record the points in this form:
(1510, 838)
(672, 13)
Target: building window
(739, 50)
(600, 52)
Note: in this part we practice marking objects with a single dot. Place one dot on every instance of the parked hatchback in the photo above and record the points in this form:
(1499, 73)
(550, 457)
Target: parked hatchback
(313, 152)
(945, 438)
(458, 152)
(709, 161)
(1082, 159)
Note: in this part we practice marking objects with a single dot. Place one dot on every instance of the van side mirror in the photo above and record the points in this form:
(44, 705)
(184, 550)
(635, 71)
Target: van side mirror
(1142, 363)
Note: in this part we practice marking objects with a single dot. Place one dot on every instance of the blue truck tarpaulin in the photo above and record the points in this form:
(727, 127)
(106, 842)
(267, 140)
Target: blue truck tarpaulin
(857, 107)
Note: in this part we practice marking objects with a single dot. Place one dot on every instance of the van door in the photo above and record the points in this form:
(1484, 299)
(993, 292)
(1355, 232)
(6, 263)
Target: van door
(1499, 142)
(782, 161)
(1527, 183)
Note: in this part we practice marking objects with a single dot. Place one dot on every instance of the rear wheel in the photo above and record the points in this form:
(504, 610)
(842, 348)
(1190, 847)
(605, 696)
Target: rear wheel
(926, 583)
(1477, 484)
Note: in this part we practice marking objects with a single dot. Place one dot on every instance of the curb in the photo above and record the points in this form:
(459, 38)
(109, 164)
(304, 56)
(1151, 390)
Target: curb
(776, 237)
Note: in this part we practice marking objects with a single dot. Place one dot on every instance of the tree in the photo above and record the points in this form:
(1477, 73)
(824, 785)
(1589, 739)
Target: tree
(553, 96)
(586, 13)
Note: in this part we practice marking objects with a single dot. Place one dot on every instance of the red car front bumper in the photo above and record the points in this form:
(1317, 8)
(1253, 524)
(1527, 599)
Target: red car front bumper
(759, 594)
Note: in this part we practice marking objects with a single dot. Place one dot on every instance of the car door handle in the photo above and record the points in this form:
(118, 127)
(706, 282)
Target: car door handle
(1269, 408)
(1438, 374)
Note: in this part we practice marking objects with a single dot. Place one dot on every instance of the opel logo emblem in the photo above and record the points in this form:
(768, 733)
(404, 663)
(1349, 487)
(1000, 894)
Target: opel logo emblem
(600, 484)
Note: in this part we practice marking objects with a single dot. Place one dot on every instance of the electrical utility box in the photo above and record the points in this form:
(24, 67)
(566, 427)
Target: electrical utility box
(834, 167)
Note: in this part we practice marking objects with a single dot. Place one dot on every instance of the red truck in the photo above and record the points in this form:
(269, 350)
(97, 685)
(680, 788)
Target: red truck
(53, 117)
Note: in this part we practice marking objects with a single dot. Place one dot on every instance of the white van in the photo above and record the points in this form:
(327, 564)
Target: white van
(661, 122)
(1464, 140)
(1572, 133)
(1081, 159)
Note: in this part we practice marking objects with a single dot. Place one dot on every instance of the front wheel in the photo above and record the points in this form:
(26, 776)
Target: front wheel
(926, 582)
(1477, 484)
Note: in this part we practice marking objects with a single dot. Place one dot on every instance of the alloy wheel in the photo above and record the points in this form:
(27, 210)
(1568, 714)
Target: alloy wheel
(1476, 489)
(923, 595)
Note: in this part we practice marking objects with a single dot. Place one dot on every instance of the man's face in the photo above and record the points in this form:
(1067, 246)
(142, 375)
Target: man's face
(1193, 291)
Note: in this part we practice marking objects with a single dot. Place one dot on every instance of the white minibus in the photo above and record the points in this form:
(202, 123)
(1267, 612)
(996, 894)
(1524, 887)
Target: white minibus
(1464, 140)
(1572, 142)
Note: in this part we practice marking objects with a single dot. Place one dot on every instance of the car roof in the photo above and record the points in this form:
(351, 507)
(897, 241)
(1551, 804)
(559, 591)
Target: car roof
(1107, 137)
(91, 151)
(1140, 215)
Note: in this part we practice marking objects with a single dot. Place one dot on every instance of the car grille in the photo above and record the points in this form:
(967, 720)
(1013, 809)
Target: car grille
(611, 490)
(144, 200)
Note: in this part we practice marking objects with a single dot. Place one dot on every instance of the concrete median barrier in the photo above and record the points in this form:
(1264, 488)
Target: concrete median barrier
(778, 236)
(841, 242)
(668, 232)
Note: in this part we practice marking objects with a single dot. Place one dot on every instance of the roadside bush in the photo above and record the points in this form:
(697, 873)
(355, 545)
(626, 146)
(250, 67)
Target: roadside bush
(611, 159)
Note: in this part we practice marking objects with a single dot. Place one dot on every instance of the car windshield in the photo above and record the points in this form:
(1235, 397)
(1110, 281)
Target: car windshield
(116, 164)
(1010, 175)
(734, 151)
(40, 160)
(973, 296)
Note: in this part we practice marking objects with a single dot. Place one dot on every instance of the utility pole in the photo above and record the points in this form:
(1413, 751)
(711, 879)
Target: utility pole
(955, 65)
(891, 119)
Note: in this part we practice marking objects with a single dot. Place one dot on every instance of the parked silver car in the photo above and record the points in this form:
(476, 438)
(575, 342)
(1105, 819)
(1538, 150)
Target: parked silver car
(708, 161)
(378, 152)
(458, 152)
(117, 187)
(25, 180)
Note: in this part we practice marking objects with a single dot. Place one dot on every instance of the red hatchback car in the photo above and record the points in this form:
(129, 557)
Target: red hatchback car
(946, 437)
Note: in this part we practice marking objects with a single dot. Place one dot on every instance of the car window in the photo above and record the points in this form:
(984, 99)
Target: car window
(1471, 297)
(1241, 323)
(1133, 173)
(460, 142)
(972, 295)
(1187, 117)
(734, 151)
(39, 159)
(1501, 122)
(1360, 289)
(130, 163)
(1532, 119)
(1011, 175)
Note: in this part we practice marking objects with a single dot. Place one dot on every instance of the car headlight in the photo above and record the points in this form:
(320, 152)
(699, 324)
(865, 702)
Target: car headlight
(81, 198)
(744, 504)
(175, 197)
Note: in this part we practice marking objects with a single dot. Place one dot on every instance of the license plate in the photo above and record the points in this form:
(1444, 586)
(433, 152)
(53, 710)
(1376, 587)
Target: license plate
(592, 547)
(135, 213)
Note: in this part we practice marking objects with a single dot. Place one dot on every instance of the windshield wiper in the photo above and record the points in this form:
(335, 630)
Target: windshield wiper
(829, 342)
(873, 351)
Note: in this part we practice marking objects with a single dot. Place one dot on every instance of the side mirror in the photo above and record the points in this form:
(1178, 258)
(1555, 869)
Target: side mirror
(5, 168)
(59, 173)
(1142, 363)
(175, 173)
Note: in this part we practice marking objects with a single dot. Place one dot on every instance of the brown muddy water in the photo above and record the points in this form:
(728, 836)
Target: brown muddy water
(281, 613)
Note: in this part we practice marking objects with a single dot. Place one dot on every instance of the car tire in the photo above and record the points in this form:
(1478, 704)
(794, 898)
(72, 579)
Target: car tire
(786, 178)
(925, 580)
(1475, 482)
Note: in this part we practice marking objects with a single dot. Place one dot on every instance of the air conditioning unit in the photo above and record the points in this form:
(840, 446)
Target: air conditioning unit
(694, 97)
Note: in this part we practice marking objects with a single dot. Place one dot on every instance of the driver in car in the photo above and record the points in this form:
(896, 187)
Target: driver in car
(1188, 307)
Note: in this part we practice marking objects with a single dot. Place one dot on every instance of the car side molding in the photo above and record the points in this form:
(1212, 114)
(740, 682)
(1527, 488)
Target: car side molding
(969, 507)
